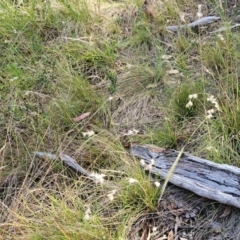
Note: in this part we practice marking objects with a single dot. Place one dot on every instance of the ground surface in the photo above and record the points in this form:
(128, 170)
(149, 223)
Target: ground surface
(91, 78)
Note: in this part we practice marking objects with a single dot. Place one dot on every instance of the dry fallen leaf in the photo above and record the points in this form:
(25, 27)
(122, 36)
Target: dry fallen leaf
(145, 234)
(173, 205)
(173, 71)
(226, 212)
(170, 235)
(81, 117)
(154, 148)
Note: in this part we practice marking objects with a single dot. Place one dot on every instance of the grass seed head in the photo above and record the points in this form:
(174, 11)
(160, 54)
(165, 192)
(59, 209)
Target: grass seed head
(132, 180)
(189, 104)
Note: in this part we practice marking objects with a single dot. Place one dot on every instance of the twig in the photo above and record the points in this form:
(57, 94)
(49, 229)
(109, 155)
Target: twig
(225, 28)
(66, 160)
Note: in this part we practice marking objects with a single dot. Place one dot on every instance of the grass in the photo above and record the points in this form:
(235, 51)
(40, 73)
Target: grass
(62, 58)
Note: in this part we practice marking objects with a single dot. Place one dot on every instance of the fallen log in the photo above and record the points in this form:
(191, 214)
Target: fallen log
(220, 182)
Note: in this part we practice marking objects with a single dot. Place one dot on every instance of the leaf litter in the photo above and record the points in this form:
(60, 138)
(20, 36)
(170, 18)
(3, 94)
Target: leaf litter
(81, 117)
(180, 215)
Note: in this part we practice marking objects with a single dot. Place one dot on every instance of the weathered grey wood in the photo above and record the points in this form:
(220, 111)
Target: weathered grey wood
(220, 182)
(72, 163)
(66, 160)
(197, 23)
(222, 29)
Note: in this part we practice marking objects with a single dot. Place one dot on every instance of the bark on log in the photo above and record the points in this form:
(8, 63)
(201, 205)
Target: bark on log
(220, 182)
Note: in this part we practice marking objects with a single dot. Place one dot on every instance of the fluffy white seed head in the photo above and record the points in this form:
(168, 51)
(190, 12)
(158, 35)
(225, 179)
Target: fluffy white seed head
(132, 180)
(157, 184)
(142, 163)
(189, 104)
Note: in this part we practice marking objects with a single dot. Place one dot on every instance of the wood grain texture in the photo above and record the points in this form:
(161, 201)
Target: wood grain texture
(220, 182)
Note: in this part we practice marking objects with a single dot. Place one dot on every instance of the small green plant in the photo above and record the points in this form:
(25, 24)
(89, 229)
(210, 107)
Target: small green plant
(186, 102)
(112, 77)
(166, 136)
(142, 35)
